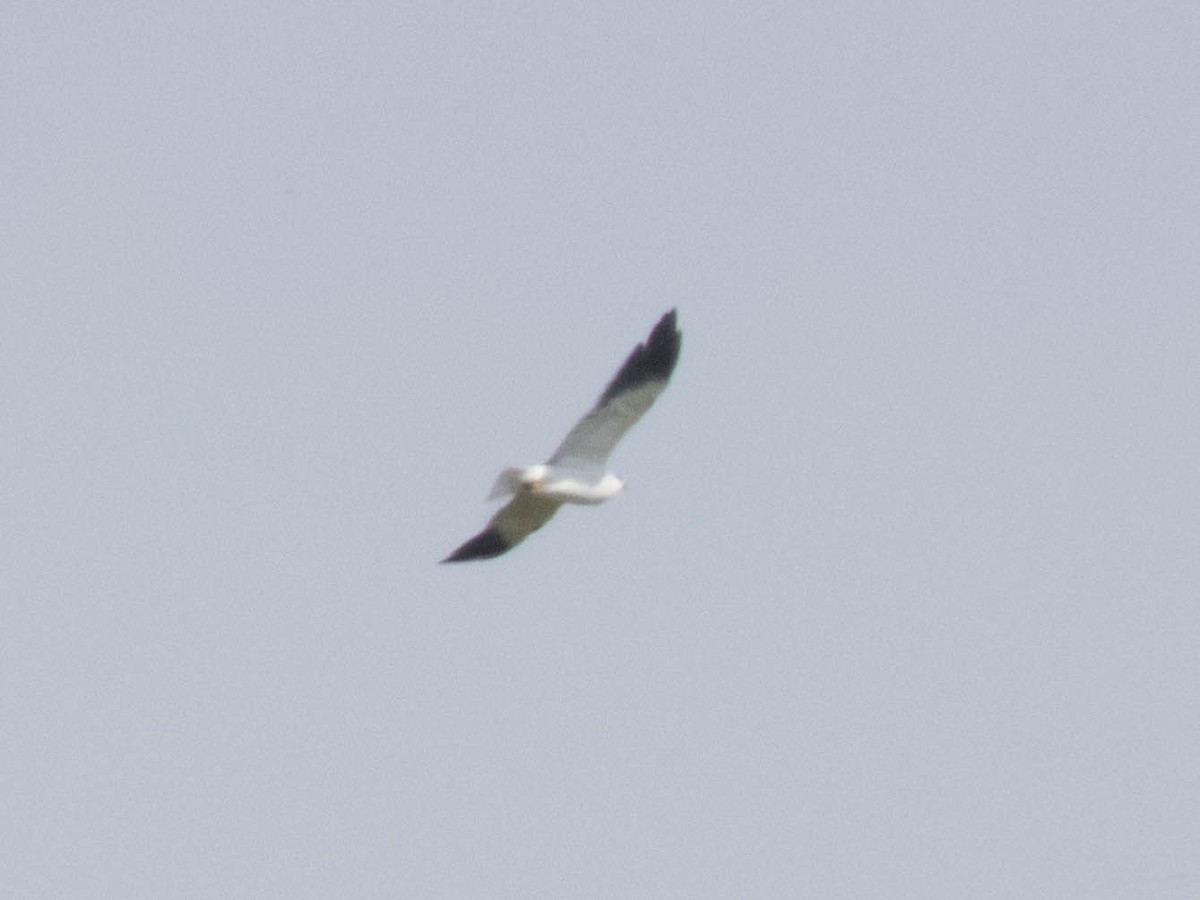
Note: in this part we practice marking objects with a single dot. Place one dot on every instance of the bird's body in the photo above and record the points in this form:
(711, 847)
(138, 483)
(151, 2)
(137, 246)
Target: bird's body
(557, 483)
(576, 473)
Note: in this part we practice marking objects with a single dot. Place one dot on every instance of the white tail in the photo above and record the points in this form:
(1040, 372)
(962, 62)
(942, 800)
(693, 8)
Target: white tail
(507, 484)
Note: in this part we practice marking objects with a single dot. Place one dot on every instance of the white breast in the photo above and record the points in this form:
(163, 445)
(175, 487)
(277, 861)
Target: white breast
(572, 487)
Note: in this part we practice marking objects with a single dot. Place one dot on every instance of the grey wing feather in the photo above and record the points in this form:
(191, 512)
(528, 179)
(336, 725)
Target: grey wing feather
(632, 391)
(522, 516)
(516, 520)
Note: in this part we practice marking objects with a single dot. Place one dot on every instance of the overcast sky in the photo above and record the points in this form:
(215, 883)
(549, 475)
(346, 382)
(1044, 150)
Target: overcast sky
(900, 599)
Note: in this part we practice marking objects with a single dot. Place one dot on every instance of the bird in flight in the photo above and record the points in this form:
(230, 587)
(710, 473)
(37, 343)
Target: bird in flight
(575, 473)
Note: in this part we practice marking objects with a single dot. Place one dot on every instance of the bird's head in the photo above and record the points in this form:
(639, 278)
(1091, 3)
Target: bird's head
(533, 476)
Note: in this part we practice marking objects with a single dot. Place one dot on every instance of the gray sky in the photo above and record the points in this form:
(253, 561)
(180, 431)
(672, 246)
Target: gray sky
(900, 599)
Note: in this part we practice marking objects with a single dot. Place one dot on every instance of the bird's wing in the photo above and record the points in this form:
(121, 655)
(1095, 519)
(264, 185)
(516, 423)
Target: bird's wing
(631, 392)
(519, 518)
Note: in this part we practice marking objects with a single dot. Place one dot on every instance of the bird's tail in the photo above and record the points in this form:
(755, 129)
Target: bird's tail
(507, 484)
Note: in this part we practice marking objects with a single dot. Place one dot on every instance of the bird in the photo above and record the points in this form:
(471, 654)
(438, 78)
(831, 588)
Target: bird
(576, 471)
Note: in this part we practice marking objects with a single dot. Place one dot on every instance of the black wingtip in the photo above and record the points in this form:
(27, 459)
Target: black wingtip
(484, 545)
(652, 361)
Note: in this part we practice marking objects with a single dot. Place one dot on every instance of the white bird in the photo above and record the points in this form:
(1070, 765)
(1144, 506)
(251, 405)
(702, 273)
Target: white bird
(576, 472)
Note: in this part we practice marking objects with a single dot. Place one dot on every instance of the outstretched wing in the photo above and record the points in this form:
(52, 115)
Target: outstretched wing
(631, 392)
(519, 518)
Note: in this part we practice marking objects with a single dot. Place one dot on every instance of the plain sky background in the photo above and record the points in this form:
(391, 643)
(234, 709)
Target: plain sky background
(900, 600)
